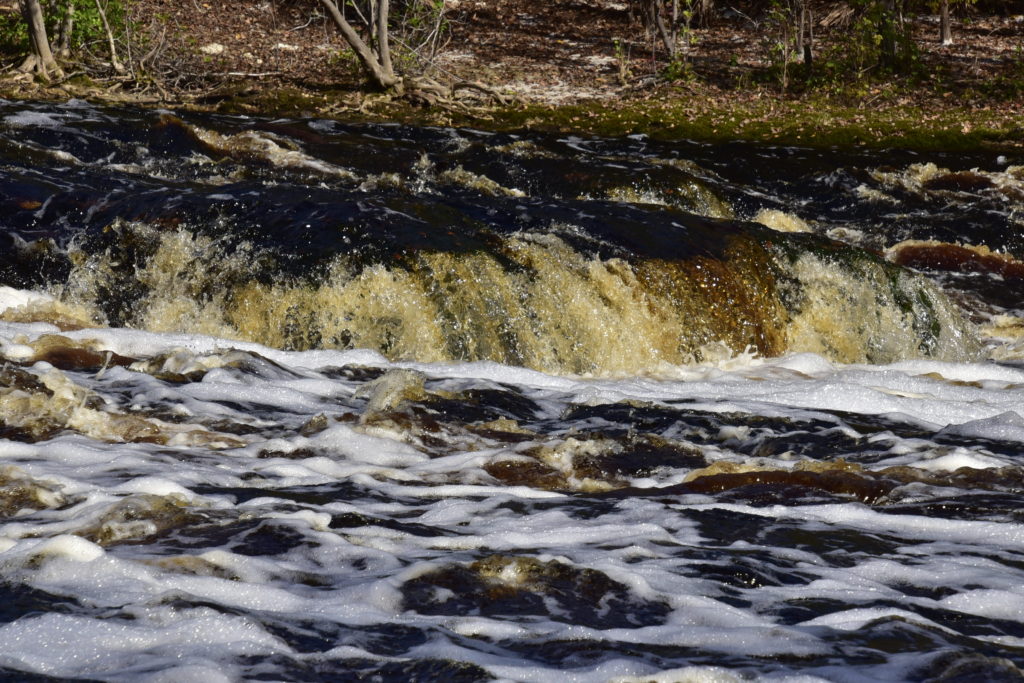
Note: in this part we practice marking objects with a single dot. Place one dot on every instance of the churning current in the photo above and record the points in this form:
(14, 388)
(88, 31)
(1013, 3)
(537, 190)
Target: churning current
(299, 400)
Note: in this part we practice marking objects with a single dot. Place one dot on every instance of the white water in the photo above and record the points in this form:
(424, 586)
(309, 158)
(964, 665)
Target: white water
(216, 510)
(148, 594)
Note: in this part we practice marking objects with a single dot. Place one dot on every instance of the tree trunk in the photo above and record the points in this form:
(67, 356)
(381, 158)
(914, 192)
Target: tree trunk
(655, 25)
(668, 37)
(40, 60)
(383, 46)
(800, 26)
(947, 31)
(114, 61)
(890, 29)
(67, 26)
(809, 42)
(705, 9)
(804, 33)
(379, 70)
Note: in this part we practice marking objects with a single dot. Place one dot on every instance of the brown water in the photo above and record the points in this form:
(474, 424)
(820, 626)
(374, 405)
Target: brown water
(296, 400)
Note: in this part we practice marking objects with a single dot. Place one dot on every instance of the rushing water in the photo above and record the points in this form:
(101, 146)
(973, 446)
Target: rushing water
(299, 400)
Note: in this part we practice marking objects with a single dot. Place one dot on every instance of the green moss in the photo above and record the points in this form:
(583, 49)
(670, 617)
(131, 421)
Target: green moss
(81, 80)
(837, 119)
(243, 99)
(926, 323)
(810, 122)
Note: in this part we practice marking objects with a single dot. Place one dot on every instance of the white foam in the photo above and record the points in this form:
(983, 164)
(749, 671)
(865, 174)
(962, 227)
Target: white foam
(854, 619)
(689, 674)
(157, 486)
(968, 532)
(68, 547)
(71, 646)
(190, 673)
(988, 602)
(950, 462)
(1008, 426)
(354, 446)
(17, 298)
(383, 469)
(33, 119)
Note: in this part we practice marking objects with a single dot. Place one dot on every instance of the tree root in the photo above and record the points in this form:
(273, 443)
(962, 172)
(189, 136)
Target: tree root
(427, 92)
(502, 98)
(35, 67)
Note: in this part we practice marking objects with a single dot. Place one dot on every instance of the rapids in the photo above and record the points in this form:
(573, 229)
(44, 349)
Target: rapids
(301, 400)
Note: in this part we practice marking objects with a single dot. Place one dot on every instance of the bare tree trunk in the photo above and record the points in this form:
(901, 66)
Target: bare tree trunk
(809, 43)
(805, 34)
(800, 16)
(67, 26)
(114, 61)
(379, 69)
(383, 46)
(947, 31)
(704, 10)
(668, 37)
(655, 25)
(40, 60)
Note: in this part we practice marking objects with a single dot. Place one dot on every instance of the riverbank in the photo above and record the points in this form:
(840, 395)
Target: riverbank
(674, 114)
(582, 68)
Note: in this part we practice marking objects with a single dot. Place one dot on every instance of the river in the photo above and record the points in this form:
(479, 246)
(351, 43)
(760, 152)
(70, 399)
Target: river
(301, 400)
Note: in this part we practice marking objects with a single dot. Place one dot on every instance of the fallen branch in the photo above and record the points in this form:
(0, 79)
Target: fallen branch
(67, 77)
(502, 98)
(244, 74)
(158, 48)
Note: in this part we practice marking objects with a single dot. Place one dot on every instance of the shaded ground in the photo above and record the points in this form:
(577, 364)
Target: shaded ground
(557, 52)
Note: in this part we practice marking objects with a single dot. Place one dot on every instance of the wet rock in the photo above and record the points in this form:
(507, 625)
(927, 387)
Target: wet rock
(942, 256)
(516, 586)
(390, 391)
(502, 429)
(18, 493)
(64, 353)
(138, 518)
(183, 366)
(13, 377)
(965, 667)
(191, 565)
(353, 373)
(992, 478)
(526, 471)
(593, 464)
(638, 456)
(297, 454)
(837, 478)
(314, 425)
(963, 181)
(504, 408)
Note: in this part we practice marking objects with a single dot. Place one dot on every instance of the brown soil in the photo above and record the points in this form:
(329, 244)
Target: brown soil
(551, 51)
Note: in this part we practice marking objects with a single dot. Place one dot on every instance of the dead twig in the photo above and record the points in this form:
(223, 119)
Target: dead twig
(244, 74)
(158, 49)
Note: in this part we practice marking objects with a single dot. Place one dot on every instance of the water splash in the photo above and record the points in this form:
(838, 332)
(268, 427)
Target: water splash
(533, 300)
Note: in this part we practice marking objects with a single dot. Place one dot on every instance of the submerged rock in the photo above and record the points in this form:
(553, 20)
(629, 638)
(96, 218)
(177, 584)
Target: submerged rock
(513, 585)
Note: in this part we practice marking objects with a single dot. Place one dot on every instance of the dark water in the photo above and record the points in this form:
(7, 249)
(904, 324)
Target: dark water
(299, 400)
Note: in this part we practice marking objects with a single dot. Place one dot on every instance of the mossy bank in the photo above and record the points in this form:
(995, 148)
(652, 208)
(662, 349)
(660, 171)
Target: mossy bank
(669, 113)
